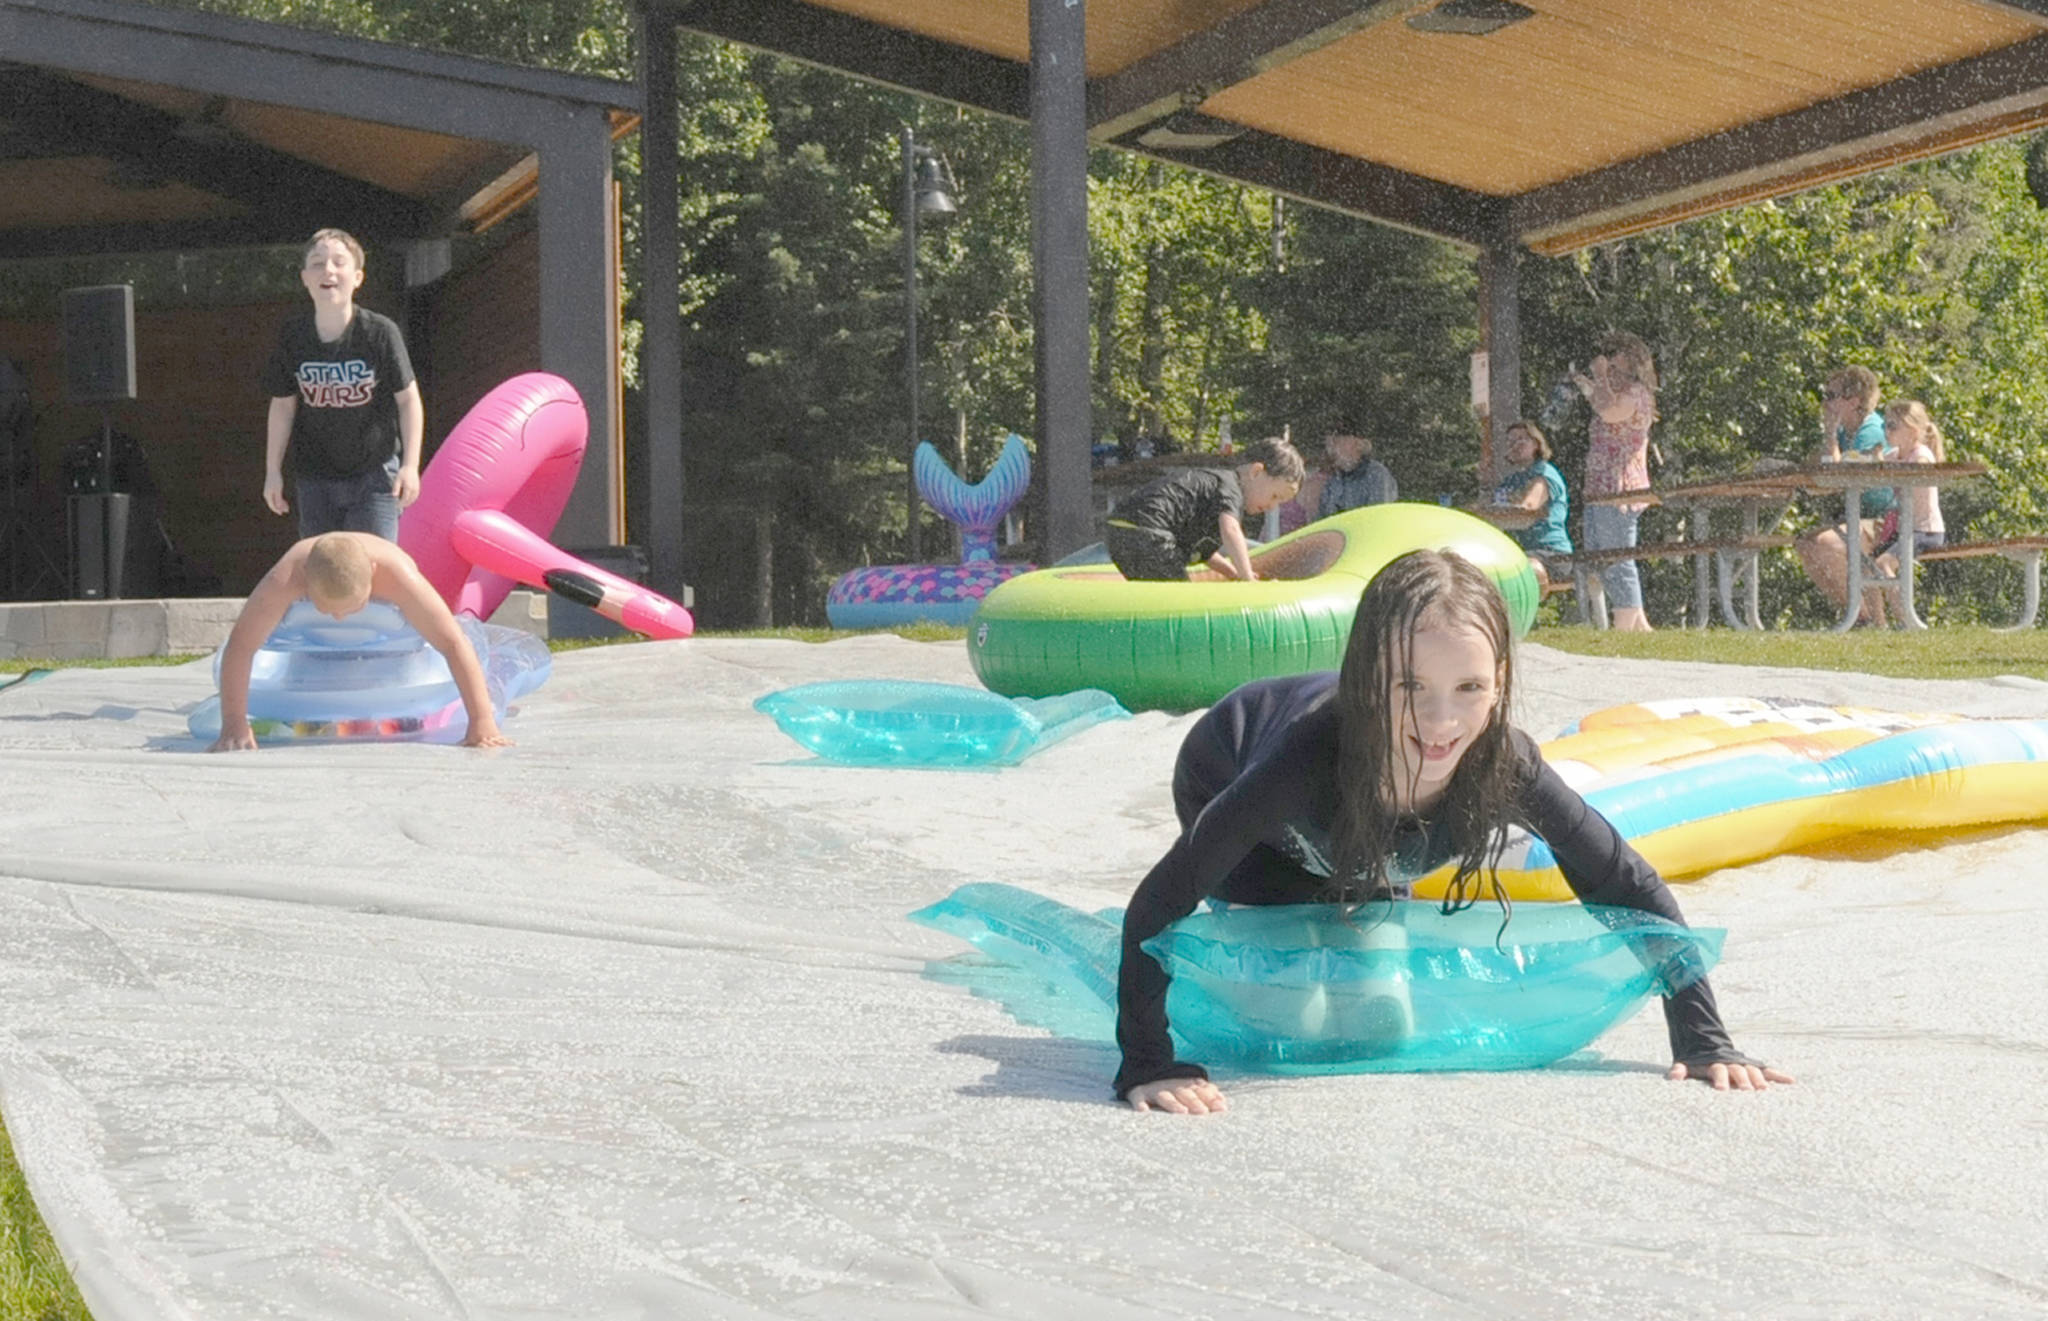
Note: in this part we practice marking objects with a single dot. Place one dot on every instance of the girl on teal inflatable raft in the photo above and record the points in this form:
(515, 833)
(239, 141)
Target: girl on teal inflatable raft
(1343, 788)
(1309, 805)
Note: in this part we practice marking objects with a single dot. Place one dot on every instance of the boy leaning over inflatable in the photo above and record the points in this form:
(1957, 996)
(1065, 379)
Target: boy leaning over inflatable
(340, 572)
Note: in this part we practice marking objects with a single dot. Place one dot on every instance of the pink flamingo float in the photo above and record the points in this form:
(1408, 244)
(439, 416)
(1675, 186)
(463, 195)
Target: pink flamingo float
(492, 494)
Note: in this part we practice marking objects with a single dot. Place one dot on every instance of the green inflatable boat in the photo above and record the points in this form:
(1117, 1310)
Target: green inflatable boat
(1177, 646)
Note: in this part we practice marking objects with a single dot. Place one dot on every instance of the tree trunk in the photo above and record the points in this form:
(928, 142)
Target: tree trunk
(764, 567)
(1110, 415)
(1152, 333)
(1152, 346)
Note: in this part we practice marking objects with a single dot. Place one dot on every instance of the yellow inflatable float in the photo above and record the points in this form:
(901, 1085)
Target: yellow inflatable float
(1696, 784)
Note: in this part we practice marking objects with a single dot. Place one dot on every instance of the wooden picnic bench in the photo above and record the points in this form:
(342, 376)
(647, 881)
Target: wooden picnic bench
(2023, 551)
(1586, 564)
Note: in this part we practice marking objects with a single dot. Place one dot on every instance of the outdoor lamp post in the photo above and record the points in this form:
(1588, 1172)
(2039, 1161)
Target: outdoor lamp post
(928, 189)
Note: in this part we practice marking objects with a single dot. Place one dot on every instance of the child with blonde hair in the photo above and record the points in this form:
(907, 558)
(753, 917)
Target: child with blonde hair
(339, 572)
(1910, 432)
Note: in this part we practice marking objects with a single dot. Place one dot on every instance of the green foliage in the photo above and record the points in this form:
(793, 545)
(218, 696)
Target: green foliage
(1371, 333)
(1167, 249)
(1212, 301)
(1932, 275)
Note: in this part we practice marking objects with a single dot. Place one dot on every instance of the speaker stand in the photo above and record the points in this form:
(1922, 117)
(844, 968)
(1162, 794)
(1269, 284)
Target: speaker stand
(18, 544)
(97, 529)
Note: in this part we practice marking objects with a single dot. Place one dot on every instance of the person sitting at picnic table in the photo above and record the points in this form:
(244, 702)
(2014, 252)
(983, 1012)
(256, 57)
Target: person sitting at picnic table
(1914, 437)
(1536, 485)
(1852, 430)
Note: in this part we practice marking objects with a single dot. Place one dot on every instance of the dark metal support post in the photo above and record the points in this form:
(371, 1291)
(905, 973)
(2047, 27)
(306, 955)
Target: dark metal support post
(910, 388)
(575, 313)
(1059, 258)
(661, 334)
(1500, 334)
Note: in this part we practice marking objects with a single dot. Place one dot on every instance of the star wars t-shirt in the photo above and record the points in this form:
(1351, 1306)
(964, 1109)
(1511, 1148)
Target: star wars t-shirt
(347, 418)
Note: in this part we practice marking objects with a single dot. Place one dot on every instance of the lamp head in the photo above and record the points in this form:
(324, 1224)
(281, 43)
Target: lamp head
(933, 187)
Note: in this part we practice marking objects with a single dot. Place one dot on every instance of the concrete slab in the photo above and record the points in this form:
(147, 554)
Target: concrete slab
(179, 626)
(137, 628)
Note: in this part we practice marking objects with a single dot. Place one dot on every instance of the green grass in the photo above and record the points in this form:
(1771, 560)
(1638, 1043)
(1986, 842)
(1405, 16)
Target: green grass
(921, 632)
(34, 1284)
(1948, 651)
(23, 664)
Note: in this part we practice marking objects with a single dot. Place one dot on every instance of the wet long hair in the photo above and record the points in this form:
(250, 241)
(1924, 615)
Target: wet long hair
(1423, 589)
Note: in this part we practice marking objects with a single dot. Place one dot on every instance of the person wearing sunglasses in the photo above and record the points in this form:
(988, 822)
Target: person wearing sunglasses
(1852, 430)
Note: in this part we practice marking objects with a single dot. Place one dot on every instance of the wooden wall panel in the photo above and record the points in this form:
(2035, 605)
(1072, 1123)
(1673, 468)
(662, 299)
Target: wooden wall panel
(199, 417)
(481, 325)
(201, 406)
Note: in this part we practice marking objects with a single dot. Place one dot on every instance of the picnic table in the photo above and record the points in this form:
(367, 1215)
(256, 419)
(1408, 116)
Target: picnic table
(1721, 563)
(1508, 518)
(1771, 491)
(1852, 479)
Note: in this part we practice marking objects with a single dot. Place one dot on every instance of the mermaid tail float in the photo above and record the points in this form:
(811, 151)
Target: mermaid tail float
(494, 491)
(976, 510)
(1310, 989)
(883, 594)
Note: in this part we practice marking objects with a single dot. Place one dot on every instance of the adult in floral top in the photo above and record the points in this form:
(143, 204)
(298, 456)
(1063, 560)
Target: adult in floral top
(1621, 385)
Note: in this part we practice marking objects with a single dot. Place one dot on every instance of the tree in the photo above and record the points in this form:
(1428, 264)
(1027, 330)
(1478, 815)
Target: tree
(1371, 331)
(1932, 275)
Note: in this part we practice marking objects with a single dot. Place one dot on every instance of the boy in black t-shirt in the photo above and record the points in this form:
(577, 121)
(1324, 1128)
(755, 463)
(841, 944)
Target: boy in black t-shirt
(343, 403)
(1156, 530)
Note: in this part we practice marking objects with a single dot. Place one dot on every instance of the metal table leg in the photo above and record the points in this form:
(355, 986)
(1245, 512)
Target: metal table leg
(2030, 563)
(1907, 615)
(1852, 545)
(1733, 565)
(1702, 595)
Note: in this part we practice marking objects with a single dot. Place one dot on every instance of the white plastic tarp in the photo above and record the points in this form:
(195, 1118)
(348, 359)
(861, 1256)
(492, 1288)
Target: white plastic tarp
(626, 1021)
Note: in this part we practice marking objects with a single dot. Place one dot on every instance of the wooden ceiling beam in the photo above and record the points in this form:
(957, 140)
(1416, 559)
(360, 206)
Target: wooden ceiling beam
(867, 50)
(2031, 8)
(840, 42)
(1345, 183)
(1887, 123)
(69, 118)
(1235, 50)
(141, 238)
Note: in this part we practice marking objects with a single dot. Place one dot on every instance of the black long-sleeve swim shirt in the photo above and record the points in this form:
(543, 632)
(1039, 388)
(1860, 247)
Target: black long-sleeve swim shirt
(1256, 788)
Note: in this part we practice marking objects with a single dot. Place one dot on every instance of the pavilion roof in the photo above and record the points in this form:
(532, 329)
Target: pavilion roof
(1582, 121)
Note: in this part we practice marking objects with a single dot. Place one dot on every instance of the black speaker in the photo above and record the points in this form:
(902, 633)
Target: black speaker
(99, 344)
(99, 546)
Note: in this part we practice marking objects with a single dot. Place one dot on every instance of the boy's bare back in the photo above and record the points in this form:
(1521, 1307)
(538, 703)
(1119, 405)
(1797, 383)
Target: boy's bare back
(348, 570)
